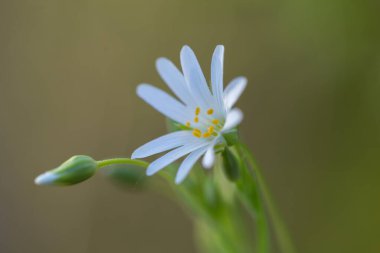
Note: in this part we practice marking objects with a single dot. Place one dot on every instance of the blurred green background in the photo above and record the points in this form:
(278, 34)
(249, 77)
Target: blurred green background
(68, 73)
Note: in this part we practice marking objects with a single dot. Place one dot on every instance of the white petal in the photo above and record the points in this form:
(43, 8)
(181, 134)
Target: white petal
(163, 143)
(174, 79)
(46, 178)
(217, 78)
(233, 91)
(188, 163)
(164, 103)
(209, 158)
(234, 117)
(173, 155)
(195, 78)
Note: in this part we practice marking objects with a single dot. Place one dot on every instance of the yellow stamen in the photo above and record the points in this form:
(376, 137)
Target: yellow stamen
(197, 111)
(207, 134)
(197, 130)
(196, 133)
(215, 121)
(188, 124)
(196, 119)
(210, 129)
(210, 111)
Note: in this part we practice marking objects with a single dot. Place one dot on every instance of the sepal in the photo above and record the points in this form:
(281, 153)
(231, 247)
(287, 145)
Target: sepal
(231, 164)
(231, 137)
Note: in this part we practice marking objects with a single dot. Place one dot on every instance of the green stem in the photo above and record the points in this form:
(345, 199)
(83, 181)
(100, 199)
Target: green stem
(218, 224)
(107, 162)
(249, 194)
(282, 234)
(262, 230)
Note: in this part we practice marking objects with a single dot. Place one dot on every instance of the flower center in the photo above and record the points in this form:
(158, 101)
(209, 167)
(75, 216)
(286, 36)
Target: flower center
(204, 125)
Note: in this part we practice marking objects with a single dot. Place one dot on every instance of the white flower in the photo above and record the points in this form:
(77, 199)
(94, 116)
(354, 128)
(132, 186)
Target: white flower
(207, 114)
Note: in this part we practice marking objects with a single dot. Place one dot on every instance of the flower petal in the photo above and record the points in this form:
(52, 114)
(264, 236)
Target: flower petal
(233, 91)
(188, 163)
(46, 178)
(234, 117)
(163, 143)
(209, 158)
(195, 78)
(217, 78)
(173, 155)
(174, 79)
(164, 103)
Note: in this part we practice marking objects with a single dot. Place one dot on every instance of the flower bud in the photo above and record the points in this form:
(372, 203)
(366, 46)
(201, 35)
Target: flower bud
(75, 170)
(231, 164)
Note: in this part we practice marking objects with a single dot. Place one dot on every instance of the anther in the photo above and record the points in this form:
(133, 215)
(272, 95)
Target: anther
(215, 121)
(197, 130)
(210, 129)
(210, 111)
(197, 111)
(188, 124)
(207, 134)
(197, 133)
(196, 119)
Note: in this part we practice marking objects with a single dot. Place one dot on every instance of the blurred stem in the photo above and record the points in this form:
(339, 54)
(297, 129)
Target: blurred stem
(282, 234)
(247, 186)
(219, 225)
(112, 161)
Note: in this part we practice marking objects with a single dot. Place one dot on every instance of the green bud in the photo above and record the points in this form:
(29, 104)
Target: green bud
(75, 170)
(231, 164)
(231, 137)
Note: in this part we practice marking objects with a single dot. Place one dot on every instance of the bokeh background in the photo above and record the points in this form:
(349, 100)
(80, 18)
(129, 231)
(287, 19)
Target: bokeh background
(68, 73)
